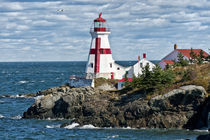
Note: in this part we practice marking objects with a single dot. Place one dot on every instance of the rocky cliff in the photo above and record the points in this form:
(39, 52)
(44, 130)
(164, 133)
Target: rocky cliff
(186, 107)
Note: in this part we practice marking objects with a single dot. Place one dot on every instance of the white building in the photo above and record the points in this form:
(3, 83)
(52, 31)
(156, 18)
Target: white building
(168, 59)
(137, 68)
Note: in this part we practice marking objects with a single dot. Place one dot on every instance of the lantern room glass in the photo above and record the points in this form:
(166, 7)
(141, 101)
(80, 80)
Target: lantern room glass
(99, 24)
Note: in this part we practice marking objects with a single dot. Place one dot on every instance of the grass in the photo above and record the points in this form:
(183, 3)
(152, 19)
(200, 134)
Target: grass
(101, 81)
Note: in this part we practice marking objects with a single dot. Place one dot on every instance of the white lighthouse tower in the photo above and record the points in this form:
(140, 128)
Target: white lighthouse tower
(100, 62)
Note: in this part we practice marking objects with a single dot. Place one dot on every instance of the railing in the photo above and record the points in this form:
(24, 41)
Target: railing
(99, 29)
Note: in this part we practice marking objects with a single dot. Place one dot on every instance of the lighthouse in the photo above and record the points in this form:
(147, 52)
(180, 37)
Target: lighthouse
(100, 62)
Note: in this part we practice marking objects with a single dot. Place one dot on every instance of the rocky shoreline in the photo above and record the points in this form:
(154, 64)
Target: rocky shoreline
(186, 107)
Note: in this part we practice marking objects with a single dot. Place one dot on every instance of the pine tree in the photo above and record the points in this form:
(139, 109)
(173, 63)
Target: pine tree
(200, 57)
(167, 66)
(192, 56)
(181, 60)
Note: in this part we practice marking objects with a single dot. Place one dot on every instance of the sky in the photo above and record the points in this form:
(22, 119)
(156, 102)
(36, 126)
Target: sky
(36, 30)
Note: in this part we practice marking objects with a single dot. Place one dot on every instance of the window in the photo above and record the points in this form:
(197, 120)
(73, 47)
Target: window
(147, 63)
(91, 64)
(118, 68)
(101, 51)
(141, 65)
(110, 65)
(126, 73)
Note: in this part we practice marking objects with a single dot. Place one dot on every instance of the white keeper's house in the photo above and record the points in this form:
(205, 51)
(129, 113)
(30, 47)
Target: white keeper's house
(100, 61)
(169, 59)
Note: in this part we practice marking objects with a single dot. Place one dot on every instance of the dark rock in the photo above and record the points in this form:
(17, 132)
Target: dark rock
(186, 107)
(203, 137)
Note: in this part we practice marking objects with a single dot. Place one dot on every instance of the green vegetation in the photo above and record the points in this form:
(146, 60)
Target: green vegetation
(159, 81)
(150, 81)
(101, 81)
(194, 59)
(181, 61)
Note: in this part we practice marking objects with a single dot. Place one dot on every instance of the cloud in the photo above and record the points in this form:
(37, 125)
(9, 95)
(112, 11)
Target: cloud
(26, 48)
(37, 28)
(11, 6)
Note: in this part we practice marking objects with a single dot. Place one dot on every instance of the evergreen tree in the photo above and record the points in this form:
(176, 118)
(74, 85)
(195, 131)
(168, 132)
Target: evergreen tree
(181, 60)
(192, 56)
(201, 54)
(167, 66)
(200, 57)
(153, 80)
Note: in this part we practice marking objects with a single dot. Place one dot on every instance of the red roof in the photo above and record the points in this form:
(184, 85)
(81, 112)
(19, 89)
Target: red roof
(169, 62)
(123, 80)
(100, 19)
(186, 52)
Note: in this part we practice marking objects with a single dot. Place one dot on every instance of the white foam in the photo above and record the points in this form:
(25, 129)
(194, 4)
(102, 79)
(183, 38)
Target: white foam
(38, 97)
(22, 82)
(53, 126)
(1, 101)
(53, 119)
(200, 130)
(18, 117)
(18, 96)
(71, 126)
(114, 136)
(89, 126)
(1, 116)
(42, 81)
(128, 127)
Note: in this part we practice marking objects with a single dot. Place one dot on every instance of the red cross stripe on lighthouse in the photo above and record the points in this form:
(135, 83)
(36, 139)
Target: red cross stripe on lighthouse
(98, 51)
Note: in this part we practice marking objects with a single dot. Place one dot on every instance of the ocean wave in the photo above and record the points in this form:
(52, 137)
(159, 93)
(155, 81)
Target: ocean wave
(54, 119)
(53, 126)
(18, 117)
(22, 82)
(71, 126)
(201, 130)
(89, 126)
(38, 97)
(1, 116)
(42, 81)
(1, 102)
(114, 136)
(128, 127)
(18, 96)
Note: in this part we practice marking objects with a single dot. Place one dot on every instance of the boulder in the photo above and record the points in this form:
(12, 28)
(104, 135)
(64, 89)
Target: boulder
(186, 107)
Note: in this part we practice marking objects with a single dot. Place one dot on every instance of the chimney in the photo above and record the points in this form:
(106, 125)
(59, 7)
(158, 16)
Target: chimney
(138, 58)
(144, 55)
(175, 46)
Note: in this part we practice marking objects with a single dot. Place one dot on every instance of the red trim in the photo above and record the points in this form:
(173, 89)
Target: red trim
(97, 54)
(100, 29)
(112, 75)
(102, 51)
(123, 80)
(144, 55)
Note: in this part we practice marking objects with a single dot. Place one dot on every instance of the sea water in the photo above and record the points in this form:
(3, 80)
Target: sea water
(28, 77)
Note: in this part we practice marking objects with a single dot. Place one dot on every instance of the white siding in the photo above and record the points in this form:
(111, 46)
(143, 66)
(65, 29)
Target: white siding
(138, 67)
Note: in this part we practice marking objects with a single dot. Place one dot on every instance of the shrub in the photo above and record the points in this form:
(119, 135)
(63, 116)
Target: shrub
(202, 82)
(188, 75)
(153, 80)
